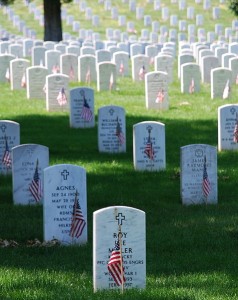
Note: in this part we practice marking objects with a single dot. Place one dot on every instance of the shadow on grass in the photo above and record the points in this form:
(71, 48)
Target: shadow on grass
(196, 239)
(69, 143)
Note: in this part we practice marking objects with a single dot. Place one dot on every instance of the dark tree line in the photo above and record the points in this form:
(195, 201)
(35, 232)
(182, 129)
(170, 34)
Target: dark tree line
(52, 17)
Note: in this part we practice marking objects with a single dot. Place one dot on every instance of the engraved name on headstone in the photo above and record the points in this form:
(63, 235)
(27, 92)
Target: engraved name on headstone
(9, 138)
(198, 180)
(28, 163)
(121, 229)
(149, 146)
(82, 107)
(228, 127)
(111, 129)
(65, 204)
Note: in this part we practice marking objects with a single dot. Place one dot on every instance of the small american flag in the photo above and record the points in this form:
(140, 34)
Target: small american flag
(149, 151)
(35, 185)
(78, 223)
(7, 75)
(23, 80)
(6, 159)
(235, 133)
(61, 98)
(55, 69)
(206, 187)
(160, 96)
(114, 265)
(44, 88)
(192, 86)
(121, 69)
(86, 113)
(142, 73)
(111, 82)
(152, 60)
(237, 79)
(119, 133)
(227, 90)
(71, 73)
(88, 76)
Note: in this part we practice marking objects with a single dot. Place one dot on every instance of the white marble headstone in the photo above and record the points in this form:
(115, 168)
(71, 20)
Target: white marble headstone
(140, 66)
(221, 79)
(35, 77)
(121, 60)
(5, 66)
(190, 78)
(228, 127)
(102, 55)
(65, 186)
(9, 137)
(18, 71)
(69, 66)
(156, 90)
(135, 49)
(126, 225)
(57, 92)
(52, 61)
(28, 160)
(38, 55)
(198, 178)
(182, 59)
(164, 63)
(149, 146)
(87, 69)
(233, 66)
(106, 76)
(27, 45)
(82, 108)
(16, 50)
(111, 129)
(208, 63)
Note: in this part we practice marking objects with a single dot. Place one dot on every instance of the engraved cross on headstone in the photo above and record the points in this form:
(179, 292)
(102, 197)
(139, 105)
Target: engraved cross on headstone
(111, 111)
(120, 218)
(65, 174)
(232, 110)
(3, 127)
(30, 151)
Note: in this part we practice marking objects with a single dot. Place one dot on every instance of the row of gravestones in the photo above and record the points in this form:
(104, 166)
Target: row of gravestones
(40, 53)
(65, 213)
(55, 88)
(34, 77)
(65, 202)
(24, 48)
(145, 34)
(207, 67)
(40, 85)
(215, 65)
(139, 10)
(28, 161)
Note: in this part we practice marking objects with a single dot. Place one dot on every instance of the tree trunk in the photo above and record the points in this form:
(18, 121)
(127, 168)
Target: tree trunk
(53, 25)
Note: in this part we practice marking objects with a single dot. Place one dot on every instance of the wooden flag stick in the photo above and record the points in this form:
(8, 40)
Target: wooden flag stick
(122, 277)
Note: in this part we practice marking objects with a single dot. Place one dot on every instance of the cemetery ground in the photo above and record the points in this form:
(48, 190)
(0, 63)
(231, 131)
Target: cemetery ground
(191, 251)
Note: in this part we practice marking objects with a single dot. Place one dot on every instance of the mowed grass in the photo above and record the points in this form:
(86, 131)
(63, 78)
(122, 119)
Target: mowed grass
(191, 252)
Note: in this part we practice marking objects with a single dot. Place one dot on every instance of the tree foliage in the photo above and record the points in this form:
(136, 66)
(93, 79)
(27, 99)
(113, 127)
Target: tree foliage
(233, 6)
(8, 2)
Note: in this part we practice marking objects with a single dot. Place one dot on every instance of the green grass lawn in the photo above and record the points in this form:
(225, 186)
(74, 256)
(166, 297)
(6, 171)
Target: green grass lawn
(191, 251)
